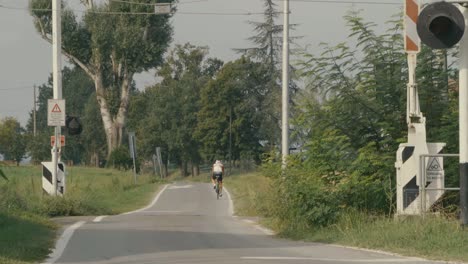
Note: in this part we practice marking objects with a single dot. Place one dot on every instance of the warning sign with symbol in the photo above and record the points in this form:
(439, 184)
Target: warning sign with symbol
(56, 112)
(434, 169)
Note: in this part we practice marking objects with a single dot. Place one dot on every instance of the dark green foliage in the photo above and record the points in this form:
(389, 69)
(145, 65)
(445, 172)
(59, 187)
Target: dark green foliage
(304, 200)
(77, 89)
(120, 159)
(2, 174)
(93, 138)
(110, 49)
(233, 102)
(351, 118)
(166, 114)
(12, 140)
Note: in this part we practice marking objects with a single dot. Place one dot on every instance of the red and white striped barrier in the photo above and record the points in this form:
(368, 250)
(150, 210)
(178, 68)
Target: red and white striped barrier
(412, 41)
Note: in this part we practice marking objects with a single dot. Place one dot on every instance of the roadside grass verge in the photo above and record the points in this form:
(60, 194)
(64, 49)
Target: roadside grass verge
(26, 230)
(251, 194)
(25, 238)
(432, 237)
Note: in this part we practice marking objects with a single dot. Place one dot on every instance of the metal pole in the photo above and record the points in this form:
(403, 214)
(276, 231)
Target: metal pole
(285, 90)
(34, 112)
(230, 141)
(57, 80)
(463, 109)
(421, 167)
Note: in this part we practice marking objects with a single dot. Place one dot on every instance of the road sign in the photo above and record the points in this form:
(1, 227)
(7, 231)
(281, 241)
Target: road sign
(434, 169)
(56, 112)
(62, 141)
(162, 8)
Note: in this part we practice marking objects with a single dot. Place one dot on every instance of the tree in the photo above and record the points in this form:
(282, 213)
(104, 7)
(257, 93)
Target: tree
(110, 44)
(356, 97)
(93, 137)
(268, 40)
(233, 100)
(171, 106)
(12, 140)
(267, 49)
(77, 89)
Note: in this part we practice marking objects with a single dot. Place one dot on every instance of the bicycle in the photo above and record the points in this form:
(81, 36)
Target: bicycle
(217, 187)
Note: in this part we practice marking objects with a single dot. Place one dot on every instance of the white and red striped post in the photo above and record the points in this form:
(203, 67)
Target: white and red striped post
(412, 48)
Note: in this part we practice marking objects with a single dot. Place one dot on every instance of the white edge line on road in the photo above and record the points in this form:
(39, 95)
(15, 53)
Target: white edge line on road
(162, 212)
(155, 200)
(62, 242)
(265, 230)
(67, 234)
(99, 218)
(335, 260)
(231, 203)
(256, 225)
(394, 254)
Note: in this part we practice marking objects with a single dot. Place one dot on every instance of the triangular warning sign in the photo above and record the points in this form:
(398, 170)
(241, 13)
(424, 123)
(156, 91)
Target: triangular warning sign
(56, 109)
(434, 165)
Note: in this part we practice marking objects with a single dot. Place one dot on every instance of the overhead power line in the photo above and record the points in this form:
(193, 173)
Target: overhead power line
(304, 1)
(346, 2)
(16, 88)
(149, 4)
(207, 13)
(141, 13)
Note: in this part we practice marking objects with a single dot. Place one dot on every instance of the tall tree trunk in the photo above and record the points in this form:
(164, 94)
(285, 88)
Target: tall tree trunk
(192, 169)
(181, 168)
(113, 126)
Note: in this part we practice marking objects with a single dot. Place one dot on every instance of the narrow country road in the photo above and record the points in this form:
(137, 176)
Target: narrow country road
(186, 224)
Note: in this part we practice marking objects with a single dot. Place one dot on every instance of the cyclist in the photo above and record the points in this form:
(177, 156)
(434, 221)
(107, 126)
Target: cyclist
(217, 171)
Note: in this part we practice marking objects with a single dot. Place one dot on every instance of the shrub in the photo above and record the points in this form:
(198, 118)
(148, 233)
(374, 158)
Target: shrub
(303, 200)
(120, 159)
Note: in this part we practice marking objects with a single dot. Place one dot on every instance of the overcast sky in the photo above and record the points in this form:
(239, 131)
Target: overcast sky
(26, 60)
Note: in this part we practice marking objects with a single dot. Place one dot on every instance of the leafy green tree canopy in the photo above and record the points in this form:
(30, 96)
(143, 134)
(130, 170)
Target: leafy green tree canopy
(110, 42)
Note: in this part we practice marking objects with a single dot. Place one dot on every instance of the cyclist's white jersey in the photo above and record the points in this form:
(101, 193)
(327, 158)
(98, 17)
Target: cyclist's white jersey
(217, 167)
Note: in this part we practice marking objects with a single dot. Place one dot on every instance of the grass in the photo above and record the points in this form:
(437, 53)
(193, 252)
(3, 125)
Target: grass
(26, 230)
(25, 238)
(251, 193)
(433, 237)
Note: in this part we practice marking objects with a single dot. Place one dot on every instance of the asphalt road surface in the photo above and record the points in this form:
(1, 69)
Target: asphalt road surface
(186, 224)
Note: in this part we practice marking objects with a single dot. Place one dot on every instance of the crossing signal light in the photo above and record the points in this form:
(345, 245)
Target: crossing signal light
(73, 125)
(441, 25)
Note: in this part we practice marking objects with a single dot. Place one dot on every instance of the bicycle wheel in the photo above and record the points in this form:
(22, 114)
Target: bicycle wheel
(217, 189)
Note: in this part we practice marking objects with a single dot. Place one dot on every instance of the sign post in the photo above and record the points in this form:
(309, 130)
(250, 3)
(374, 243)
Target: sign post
(56, 118)
(132, 145)
(56, 107)
(159, 159)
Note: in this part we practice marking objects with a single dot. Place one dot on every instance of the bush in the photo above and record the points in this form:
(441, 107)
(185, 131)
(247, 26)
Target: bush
(120, 159)
(303, 200)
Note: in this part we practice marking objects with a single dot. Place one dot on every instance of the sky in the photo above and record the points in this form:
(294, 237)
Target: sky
(26, 59)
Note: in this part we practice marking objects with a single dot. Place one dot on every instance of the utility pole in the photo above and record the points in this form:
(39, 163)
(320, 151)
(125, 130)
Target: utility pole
(441, 25)
(463, 110)
(34, 112)
(230, 140)
(57, 80)
(285, 88)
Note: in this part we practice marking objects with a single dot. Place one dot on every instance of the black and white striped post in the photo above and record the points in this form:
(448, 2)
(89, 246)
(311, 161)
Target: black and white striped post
(48, 185)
